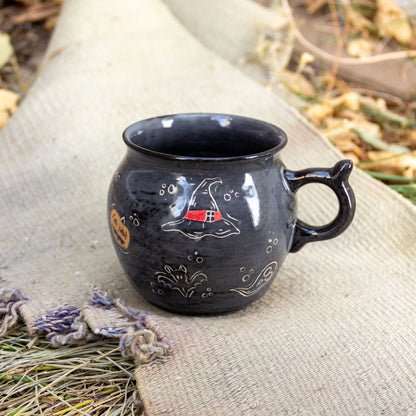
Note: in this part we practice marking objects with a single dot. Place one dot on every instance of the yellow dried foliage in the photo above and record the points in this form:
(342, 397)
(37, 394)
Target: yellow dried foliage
(314, 5)
(6, 49)
(305, 59)
(318, 112)
(356, 20)
(391, 20)
(336, 111)
(273, 48)
(411, 137)
(349, 100)
(297, 83)
(8, 105)
(391, 164)
(347, 144)
(361, 47)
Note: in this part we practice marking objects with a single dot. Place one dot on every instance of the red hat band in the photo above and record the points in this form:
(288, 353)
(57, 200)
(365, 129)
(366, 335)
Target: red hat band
(204, 215)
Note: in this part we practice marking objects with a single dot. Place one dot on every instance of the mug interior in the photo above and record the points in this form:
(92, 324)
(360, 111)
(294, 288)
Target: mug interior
(204, 137)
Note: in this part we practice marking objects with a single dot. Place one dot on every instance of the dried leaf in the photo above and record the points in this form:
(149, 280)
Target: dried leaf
(8, 100)
(8, 105)
(297, 83)
(370, 128)
(392, 21)
(361, 47)
(356, 20)
(6, 49)
(336, 127)
(349, 100)
(274, 47)
(389, 163)
(318, 112)
(378, 110)
(305, 59)
(346, 143)
(378, 143)
(411, 136)
(314, 5)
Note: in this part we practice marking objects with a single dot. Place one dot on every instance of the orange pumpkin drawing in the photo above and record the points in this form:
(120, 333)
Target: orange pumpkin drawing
(120, 231)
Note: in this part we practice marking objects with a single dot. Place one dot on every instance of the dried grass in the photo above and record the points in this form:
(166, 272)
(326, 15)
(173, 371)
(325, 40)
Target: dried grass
(91, 379)
(374, 129)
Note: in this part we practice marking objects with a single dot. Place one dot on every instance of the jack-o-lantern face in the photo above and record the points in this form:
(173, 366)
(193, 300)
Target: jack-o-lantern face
(120, 231)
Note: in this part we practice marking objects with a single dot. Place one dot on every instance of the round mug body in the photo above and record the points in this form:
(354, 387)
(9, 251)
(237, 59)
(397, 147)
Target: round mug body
(202, 211)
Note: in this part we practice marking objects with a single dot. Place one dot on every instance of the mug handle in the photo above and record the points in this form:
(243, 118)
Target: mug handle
(337, 179)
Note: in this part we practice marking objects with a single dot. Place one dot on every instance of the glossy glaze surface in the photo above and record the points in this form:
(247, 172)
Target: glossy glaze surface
(202, 212)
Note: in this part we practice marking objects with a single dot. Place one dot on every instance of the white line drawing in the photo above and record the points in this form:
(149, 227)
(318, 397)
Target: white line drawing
(178, 279)
(203, 217)
(259, 282)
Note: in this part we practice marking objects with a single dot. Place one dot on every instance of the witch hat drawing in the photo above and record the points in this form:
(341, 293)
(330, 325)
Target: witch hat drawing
(203, 218)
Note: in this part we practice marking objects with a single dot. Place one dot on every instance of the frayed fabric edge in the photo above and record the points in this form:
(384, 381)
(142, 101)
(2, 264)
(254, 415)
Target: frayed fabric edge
(11, 301)
(68, 325)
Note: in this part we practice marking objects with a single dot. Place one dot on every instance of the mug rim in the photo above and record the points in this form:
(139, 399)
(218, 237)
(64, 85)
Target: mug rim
(274, 131)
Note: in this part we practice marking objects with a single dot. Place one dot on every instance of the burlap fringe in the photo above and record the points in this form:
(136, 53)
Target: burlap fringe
(137, 339)
(67, 325)
(11, 301)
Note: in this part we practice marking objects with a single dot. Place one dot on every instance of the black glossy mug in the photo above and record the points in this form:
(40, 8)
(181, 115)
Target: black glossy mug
(202, 211)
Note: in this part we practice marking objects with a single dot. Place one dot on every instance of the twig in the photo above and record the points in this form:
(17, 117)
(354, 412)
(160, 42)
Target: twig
(37, 13)
(381, 94)
(18, 72)
(381, 159)
(76, 368)
(378, 144)
(376, 111)
(390, 178)
(390, 56)
(408, 191)
(338, 52)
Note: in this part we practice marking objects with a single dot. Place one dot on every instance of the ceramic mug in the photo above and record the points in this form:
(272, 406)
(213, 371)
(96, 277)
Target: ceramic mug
(202, 212)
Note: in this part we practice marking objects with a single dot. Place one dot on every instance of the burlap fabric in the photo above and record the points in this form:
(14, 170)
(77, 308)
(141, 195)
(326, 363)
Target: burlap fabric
(334, 335)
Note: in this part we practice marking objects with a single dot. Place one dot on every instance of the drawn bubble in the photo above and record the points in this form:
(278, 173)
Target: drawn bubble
(171, 189)
(270, 240)
(269, 249)
(160, 292)
(207, 293)
(245, 277)
(275, 241)
(231, 191)
(196, 253)
(199, 260)
(136, 222)
(251, 271)
(131, 218)
(190, 258)
(236, 194)
(163, 185)
(227, 197)
(242, 269)
(161, 192)
(261, 281)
